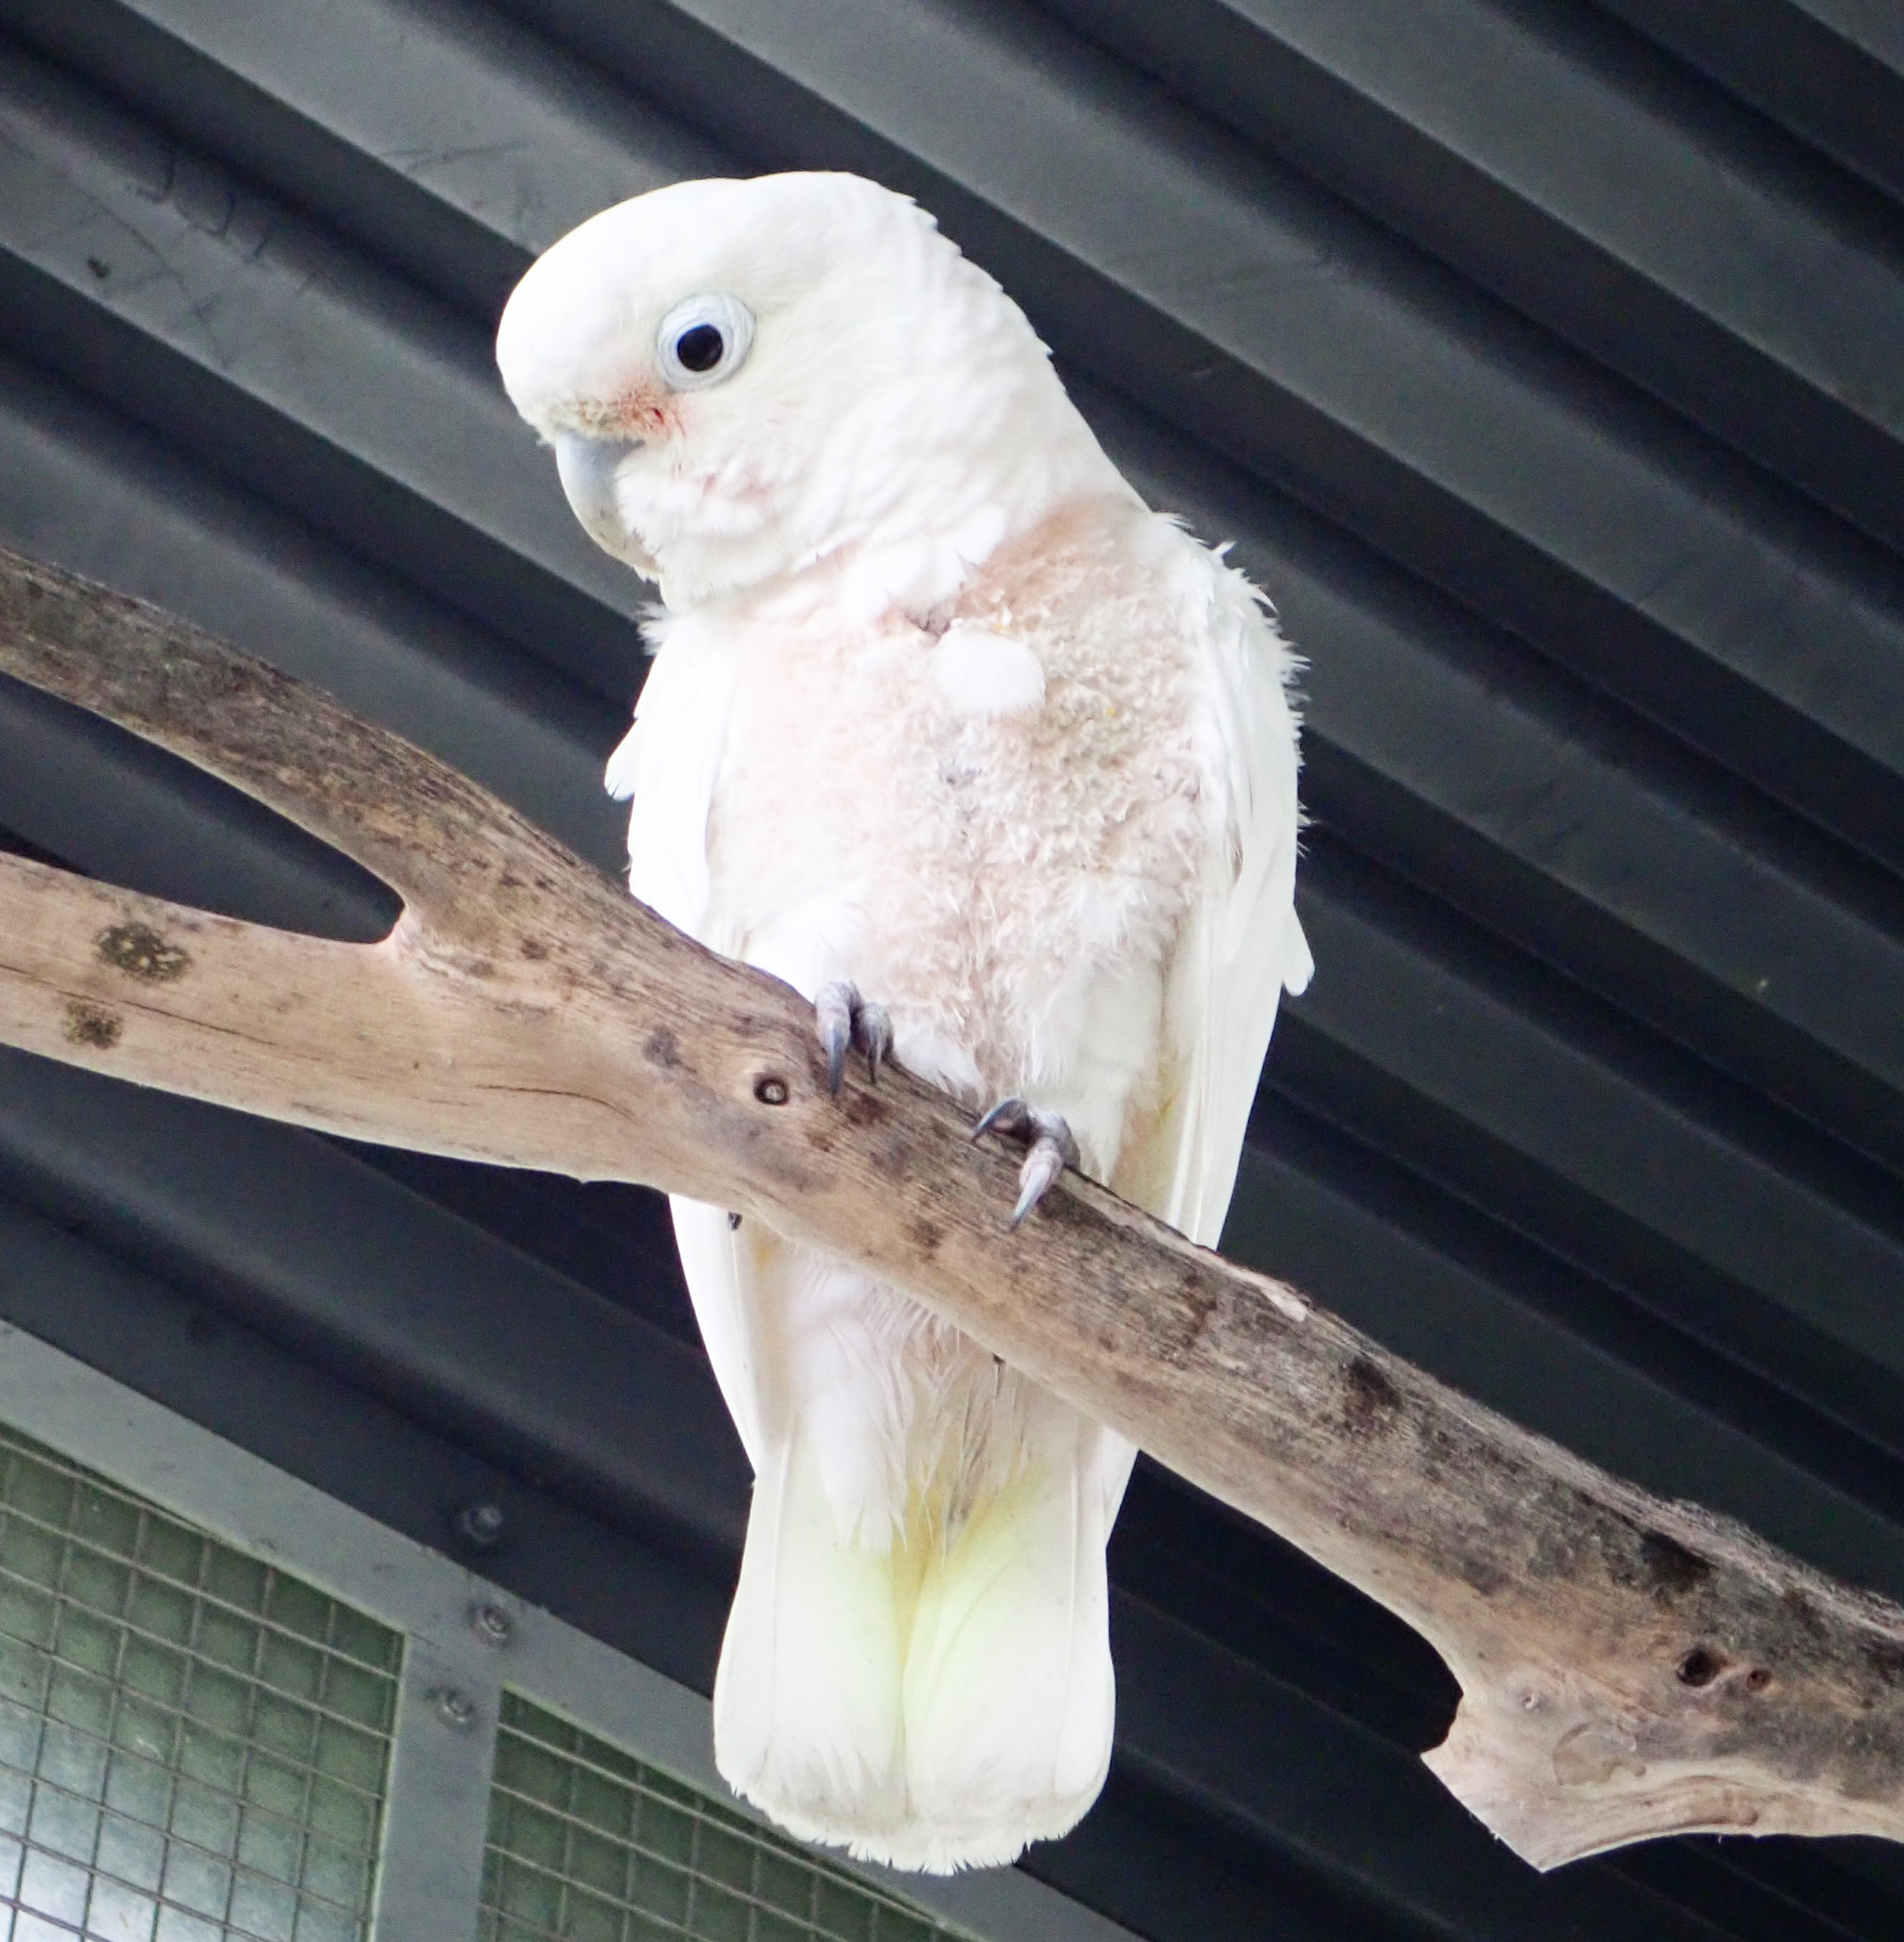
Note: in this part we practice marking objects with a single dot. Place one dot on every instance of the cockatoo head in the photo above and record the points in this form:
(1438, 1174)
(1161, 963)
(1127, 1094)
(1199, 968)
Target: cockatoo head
(744, 380)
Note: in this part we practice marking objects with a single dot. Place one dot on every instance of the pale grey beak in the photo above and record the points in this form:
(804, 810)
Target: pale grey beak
(587, 467)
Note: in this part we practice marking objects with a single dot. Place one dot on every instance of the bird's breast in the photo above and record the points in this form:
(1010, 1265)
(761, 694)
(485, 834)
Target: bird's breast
(987, 849)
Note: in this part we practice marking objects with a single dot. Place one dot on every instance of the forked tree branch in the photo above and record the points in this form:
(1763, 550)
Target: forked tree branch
(1629, 1667)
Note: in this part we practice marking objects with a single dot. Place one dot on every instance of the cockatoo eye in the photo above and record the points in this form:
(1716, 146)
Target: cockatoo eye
(703, 340)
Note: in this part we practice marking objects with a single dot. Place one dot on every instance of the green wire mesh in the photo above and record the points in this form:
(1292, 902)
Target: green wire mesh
(588, 1844)
(193, 1746)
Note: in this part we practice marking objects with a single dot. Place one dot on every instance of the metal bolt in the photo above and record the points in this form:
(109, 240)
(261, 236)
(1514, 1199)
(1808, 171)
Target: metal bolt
(456, 1708)
(481, 1525)
(492, 1625)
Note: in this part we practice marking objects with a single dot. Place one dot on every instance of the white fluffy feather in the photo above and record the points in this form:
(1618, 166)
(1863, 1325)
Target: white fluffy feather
(939, 708)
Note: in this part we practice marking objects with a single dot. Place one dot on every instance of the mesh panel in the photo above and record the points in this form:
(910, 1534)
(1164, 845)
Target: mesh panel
(587, 1845)
(192, 1747)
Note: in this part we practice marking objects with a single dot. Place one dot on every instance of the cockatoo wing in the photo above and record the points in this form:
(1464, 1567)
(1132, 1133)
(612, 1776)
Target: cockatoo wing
(1242, 945)
(666, 768)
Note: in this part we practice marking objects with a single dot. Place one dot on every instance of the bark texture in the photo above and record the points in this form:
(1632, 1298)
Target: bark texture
(1630, 1667)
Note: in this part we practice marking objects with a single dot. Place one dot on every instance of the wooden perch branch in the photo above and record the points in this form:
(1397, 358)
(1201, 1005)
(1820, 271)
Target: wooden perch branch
(1630, 1667)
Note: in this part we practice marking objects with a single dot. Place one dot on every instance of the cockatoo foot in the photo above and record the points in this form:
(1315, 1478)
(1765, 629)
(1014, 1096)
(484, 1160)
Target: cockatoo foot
(845, 1021)
(1053, 1147)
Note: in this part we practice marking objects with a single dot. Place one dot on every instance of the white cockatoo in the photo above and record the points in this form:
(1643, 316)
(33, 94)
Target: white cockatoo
(946, 729)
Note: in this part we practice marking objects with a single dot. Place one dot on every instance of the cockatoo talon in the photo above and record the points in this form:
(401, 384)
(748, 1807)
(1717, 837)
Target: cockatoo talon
(1043, 1165)
(872, 1034)
(1053, 1148)
(833, 1006)
(845, 1020)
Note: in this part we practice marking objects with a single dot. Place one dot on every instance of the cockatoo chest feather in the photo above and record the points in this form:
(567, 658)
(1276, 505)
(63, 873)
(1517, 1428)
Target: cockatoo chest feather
(991, 822)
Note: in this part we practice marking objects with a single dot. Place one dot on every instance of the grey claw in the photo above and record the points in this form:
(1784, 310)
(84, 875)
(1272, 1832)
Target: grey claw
(872, 1029)
(1009, 1116)
(1043, 1165)
(1053, 1148)
(833, 1010)
(845, 1020)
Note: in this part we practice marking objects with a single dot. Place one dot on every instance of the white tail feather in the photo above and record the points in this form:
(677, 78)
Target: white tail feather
(807, 1708)
(935, 1696)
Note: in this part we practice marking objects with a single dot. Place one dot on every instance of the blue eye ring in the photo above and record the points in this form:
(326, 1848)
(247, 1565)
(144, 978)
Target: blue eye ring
(703, 340)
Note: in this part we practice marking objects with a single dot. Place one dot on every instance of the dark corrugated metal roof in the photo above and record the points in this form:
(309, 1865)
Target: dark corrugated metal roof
(1541, 358)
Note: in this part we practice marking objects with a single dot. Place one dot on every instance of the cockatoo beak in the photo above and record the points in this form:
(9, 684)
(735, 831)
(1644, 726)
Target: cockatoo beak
(587, 467)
